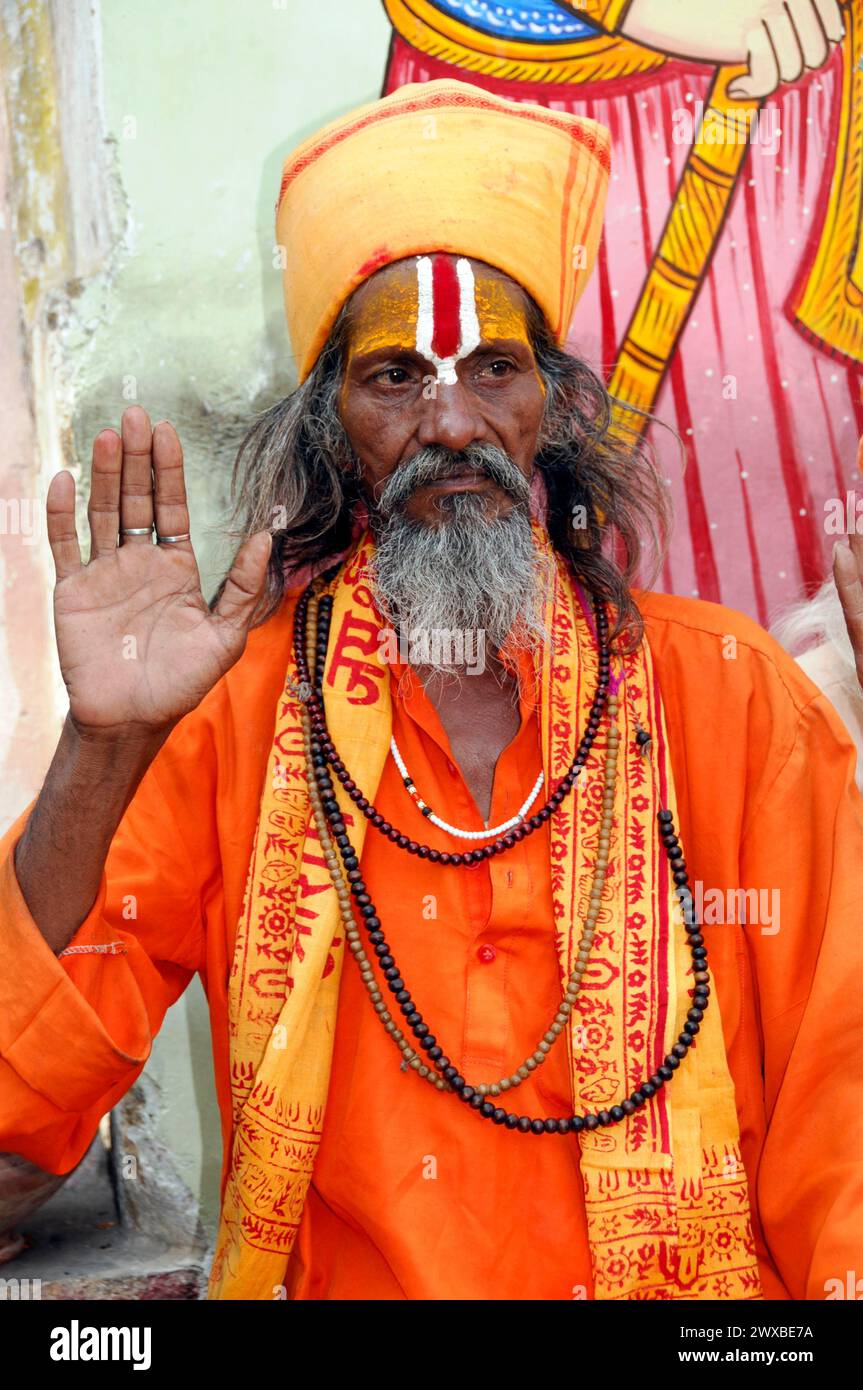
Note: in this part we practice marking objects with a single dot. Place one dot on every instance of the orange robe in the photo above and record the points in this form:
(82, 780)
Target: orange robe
(412, 1196)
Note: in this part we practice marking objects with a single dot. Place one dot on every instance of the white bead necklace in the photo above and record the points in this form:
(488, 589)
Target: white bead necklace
(429, 814)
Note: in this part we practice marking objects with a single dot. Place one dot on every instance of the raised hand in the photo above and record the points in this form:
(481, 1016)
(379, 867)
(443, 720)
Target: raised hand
(137, 643)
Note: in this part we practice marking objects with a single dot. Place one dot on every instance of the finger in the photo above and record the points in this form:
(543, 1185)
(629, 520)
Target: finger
(172, 513)
(245, 583)
(763, 68)
(62, 533)
(856, 538)
(855, 543)
(810, 33)
(846, 574)
(830, 14)
(136, 483)
(786, 44)
(103, 508)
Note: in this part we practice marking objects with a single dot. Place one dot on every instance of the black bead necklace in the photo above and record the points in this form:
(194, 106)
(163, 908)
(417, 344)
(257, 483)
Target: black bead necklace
(326, 750)
(386, 960)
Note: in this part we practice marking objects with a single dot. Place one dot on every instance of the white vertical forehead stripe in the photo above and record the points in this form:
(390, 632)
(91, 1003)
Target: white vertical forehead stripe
(467, 308)
(469, 332)
(425, 307)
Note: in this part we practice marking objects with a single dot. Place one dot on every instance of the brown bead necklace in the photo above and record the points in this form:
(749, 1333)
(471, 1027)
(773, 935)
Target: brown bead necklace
(311, 639)
(307, 661)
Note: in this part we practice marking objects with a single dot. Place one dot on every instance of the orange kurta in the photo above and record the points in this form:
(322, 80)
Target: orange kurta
(484, 971)
(765, 781)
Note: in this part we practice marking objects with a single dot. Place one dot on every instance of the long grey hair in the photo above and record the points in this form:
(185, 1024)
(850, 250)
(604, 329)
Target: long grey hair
(608, 508)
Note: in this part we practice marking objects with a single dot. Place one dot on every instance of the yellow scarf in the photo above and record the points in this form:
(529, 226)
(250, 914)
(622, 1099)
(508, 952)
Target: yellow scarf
(665, 1190)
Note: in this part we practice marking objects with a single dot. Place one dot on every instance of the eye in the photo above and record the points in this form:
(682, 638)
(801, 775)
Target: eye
(499, 367)
(392, 376)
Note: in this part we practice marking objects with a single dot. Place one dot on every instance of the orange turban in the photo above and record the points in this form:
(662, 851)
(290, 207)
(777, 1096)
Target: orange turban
(440, 166)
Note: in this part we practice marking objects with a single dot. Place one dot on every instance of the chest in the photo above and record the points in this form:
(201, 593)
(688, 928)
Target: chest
(479, 724)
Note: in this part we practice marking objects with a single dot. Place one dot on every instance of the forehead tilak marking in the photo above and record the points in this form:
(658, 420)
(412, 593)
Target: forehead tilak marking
(454, 299)
(447, 323)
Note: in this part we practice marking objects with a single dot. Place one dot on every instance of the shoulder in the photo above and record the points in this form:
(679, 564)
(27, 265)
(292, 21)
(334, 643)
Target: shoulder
(724, 644)
(239, 711)
(741, 713)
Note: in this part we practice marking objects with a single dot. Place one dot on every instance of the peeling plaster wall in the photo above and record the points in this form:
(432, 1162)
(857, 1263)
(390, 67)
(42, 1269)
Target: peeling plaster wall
(29, 713)
(136, 265)
(55, 228)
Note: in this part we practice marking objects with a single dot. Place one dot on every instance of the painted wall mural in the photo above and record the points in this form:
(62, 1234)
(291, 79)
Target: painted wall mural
(728, 297)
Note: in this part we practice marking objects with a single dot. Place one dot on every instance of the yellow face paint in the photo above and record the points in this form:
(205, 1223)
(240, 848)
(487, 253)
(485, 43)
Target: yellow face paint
(500, 310)
(386, 317)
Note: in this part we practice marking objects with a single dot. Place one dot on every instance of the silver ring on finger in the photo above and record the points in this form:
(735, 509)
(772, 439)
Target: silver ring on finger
(136, 531)
(172, 540)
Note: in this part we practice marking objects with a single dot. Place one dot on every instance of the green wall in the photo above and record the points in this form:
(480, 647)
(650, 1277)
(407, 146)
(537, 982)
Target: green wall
(203, 99)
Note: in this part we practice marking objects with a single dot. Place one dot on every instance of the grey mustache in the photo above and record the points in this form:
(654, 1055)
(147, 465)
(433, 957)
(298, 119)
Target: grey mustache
(434, 465)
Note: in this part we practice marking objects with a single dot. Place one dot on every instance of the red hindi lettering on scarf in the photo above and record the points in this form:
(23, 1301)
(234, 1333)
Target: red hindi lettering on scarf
(365, 675)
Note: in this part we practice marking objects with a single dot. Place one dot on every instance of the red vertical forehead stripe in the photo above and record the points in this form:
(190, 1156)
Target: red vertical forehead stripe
(446, 298)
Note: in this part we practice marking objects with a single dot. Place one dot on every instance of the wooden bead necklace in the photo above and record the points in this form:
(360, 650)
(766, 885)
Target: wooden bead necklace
(323, 785)
(326, 751)
(310, 652)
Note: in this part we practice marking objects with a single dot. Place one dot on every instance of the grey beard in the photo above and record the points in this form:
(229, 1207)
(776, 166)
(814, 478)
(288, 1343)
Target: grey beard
(469, 585)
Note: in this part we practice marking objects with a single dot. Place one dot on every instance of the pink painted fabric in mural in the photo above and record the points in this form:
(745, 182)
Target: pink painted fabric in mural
(769, 420)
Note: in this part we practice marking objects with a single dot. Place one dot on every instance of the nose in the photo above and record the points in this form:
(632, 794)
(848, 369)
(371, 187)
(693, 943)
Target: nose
(449, 417)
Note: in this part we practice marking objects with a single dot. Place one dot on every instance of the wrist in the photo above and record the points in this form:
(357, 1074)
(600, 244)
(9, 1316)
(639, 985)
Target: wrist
(129, 742)
(102, 767)
(93, 776)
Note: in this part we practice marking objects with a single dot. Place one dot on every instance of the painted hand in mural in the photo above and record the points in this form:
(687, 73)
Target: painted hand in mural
(777, 39)
(848, 575)
(138, 645)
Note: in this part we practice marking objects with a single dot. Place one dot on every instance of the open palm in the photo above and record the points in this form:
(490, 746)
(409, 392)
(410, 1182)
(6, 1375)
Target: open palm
(137, 643)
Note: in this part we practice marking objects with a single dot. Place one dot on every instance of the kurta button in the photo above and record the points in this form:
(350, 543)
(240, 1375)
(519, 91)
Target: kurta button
(486, 954)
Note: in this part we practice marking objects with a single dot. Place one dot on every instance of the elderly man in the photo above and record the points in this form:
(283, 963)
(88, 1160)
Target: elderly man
(462, 750)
